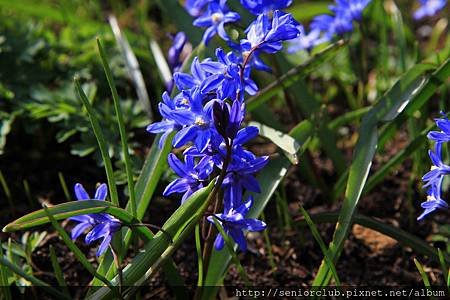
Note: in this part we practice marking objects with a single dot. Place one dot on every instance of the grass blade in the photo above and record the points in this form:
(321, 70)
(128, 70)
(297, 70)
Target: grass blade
(4, 286)
(6, 191)
(69, 209)
(423, 274)
(121, 125)
(319, 240)
(198, 246)
(101, 143)
(132, 66)
(58, 272)
(444, 267)
(62, 181)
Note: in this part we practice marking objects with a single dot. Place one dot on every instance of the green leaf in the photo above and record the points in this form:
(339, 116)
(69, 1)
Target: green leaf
(4, 285)
(58, 272)
(69, 209)
(122, 131)
(284, 141)
(319, 240)
(132, 65)
(269, 178)
(101, 143)
(423, 274)
(290, 77)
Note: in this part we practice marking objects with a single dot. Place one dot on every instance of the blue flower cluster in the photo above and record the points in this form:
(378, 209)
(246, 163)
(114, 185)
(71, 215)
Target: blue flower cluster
(324, 27)
(429, 8)
(434, 178)
(207, 114)
(100, 226)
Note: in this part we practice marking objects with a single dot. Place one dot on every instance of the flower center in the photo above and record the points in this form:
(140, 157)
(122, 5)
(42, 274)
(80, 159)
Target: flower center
(184, 101)
(199, 121)
(217, 17)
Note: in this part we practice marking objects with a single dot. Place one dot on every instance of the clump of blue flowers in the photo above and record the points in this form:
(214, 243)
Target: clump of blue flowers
(100, 226)
(434, 178)
(325, 27)
(207, 114)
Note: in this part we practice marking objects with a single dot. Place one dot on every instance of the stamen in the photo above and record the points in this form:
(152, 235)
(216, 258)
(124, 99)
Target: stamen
(217, 17)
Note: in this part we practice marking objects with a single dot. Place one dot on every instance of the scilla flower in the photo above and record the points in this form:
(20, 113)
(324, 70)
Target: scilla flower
(258, 7)
(234, 223)
(435, 177)
(215, 19)
(100, 226)
(442, 136)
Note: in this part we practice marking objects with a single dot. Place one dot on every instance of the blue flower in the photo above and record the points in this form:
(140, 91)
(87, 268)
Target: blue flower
(215, 19)
(439, 168)
(100, 226)
(429, 8)
(167, 125)
(305, 41)
(192, 176)
(196, 7)
(234, 223)
(258, 7)
(352, 8)
(224, 75)
(241, 175)
(443, 135)
(266, 35)
(175, 50)
(330, 25)
(228, 119)
(197, 122)
(195, 79)
(434, 200)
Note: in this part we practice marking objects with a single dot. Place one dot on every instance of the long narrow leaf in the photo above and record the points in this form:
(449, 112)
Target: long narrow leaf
(322, 246)
(4, 286)
(101, 143)
(121, 125)
(58, 272)
(132, 66)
